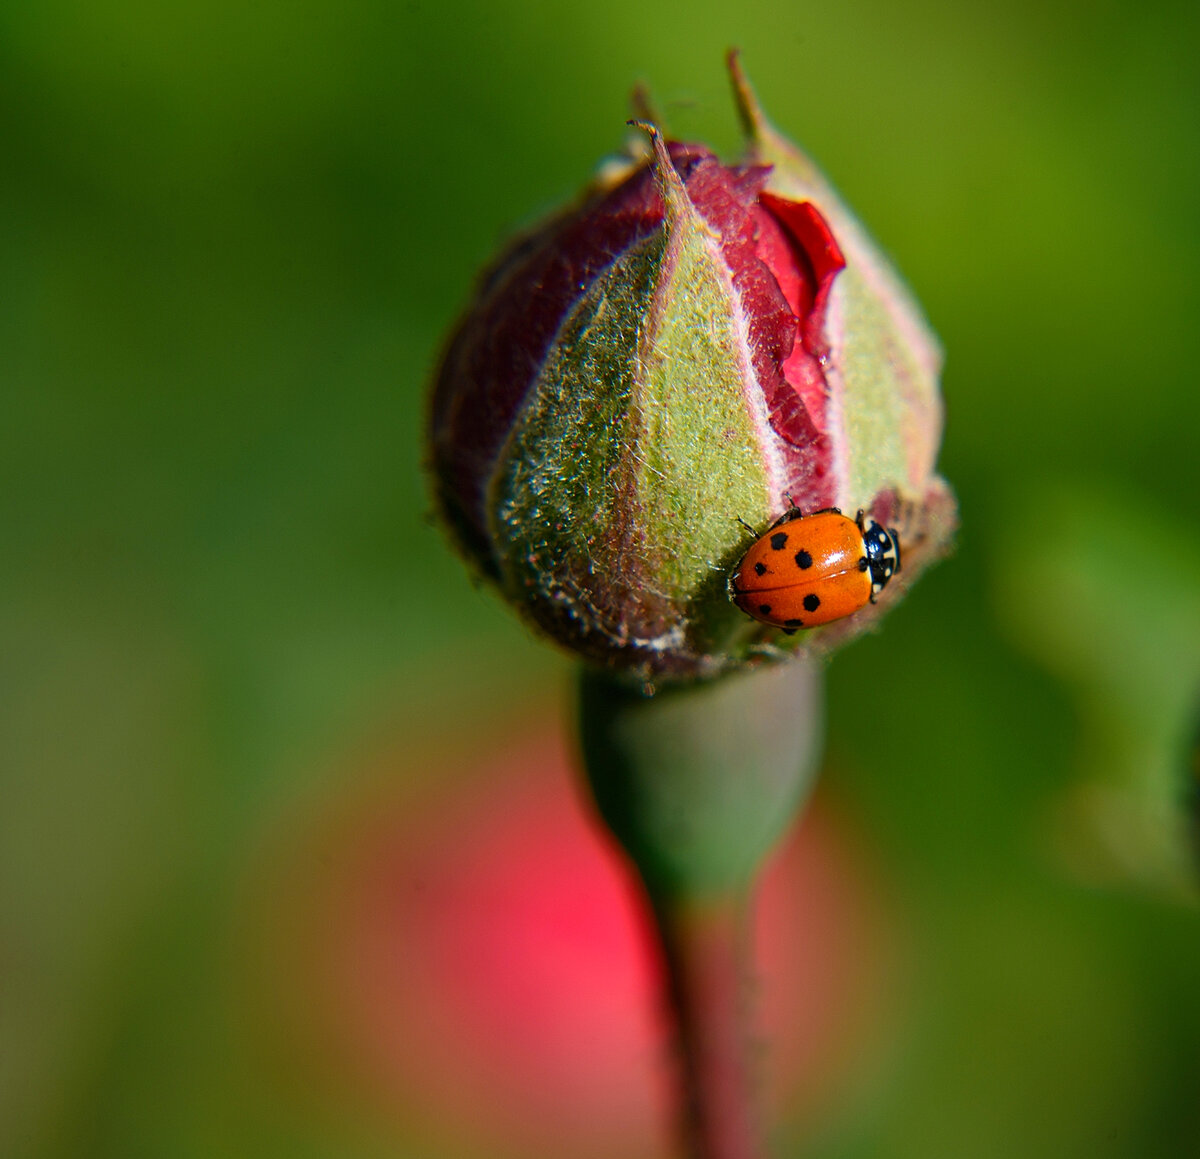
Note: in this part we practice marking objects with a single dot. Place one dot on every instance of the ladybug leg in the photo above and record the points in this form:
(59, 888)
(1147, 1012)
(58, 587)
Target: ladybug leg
(788, 631)
(859, 519)
(828, 511)
(794, 510)
(746, 526)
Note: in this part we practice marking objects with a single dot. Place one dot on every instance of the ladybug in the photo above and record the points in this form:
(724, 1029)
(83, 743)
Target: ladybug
(811, 569)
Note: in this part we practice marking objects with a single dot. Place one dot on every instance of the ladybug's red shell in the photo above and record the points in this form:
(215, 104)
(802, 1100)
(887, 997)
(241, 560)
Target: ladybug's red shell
(810, 569)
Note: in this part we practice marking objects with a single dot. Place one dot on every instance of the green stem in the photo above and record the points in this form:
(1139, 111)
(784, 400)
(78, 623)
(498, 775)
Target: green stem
(697, 784)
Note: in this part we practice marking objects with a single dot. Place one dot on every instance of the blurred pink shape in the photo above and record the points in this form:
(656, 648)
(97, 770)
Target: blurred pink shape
(485, 969)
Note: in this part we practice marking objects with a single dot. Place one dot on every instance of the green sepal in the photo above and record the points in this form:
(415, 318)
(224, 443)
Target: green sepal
(616, 500)
(884, 359)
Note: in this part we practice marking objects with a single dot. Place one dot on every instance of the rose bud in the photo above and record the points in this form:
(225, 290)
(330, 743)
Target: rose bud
(686, 353)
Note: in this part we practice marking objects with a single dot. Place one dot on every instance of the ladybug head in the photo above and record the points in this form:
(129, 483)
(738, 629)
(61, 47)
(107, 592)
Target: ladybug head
(883, 553)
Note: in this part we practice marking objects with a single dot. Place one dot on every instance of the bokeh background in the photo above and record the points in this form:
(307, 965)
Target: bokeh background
(290, 860)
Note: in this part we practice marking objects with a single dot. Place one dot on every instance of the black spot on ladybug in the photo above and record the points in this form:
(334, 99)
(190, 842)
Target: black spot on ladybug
(862, 563)
(812, 602)
(803, 559)
(779, 540)
(765, 609)
(760, 568)
(793, 624)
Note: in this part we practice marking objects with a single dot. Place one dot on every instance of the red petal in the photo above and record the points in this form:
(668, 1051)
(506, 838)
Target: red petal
(811, 231)
(804, 224)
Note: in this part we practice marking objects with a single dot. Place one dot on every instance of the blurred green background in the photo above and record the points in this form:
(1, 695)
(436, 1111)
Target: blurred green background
(232, 238)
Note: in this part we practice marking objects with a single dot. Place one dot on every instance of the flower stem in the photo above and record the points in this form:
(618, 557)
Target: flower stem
(697, 784)
(704, 950)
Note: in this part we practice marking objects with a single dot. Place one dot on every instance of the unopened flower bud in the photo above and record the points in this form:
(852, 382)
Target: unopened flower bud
(687, 352)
